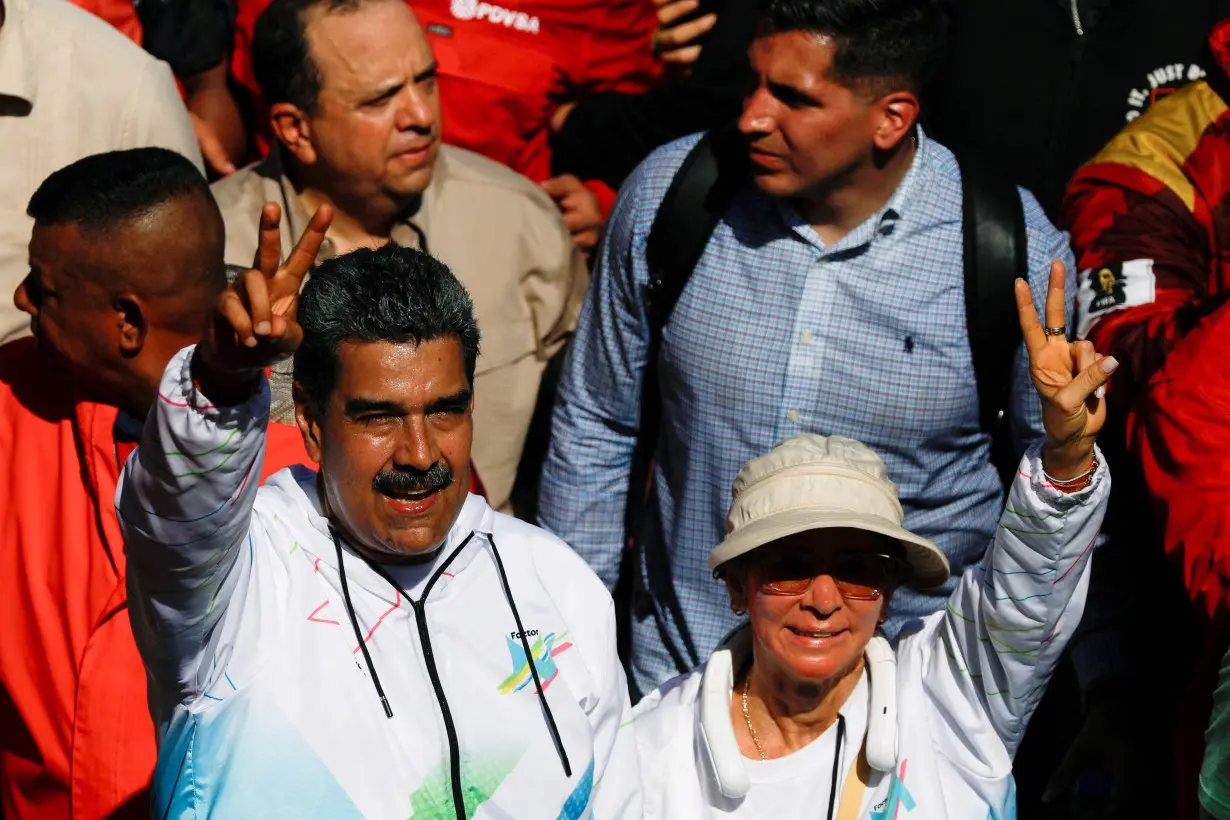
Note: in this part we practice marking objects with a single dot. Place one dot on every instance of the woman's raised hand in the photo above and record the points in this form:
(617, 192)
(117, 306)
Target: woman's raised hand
(1070, 378)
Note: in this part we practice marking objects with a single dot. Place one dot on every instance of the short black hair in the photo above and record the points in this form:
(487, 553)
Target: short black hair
(391, 294)
(879, 42)
(281, 60)
(100, 191)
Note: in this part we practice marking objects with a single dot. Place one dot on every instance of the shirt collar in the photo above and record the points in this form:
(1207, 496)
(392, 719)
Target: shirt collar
(296, 217)
(880, 225)
(17, 78)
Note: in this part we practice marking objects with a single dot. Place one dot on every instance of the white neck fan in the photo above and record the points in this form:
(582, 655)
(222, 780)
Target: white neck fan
(718, 733)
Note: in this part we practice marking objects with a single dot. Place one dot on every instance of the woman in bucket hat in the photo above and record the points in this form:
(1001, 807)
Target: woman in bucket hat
(806, 711)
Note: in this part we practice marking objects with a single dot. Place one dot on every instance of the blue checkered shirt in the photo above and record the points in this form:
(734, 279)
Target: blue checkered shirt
(775, 335)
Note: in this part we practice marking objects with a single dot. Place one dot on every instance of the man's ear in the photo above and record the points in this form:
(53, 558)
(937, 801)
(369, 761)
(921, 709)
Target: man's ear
(895, 115)
(294, 130)
(309, 423)
(132, 322)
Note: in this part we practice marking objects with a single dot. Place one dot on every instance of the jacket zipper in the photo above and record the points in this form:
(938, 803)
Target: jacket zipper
(454, 748)
(1076, 20)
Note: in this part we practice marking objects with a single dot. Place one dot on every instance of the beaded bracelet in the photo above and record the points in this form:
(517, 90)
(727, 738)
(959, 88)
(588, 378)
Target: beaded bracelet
(1074, 485)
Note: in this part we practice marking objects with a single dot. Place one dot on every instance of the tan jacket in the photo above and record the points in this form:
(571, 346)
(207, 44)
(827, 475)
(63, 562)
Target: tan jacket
(505, 241)
(70, 86)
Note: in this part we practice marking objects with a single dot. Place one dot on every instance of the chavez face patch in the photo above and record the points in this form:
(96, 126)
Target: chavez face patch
(1112, 287)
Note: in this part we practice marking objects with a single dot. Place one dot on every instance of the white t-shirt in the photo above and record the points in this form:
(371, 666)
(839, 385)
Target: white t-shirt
(799, 785)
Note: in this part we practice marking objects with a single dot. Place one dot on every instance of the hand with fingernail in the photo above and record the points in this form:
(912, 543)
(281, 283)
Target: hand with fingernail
(254, 320)
(1070, 378)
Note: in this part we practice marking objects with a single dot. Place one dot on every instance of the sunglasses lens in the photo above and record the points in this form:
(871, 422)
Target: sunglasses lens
(859, 576)
(788, 575)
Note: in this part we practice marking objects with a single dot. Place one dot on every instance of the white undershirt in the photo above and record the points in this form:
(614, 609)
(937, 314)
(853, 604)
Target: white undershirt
(799, 785)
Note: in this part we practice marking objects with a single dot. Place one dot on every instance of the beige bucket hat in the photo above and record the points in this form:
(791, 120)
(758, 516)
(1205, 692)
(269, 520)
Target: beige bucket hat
(812, 482)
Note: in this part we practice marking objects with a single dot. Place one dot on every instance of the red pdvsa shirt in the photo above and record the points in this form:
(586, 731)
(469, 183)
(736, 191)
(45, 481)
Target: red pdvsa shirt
(505, 68)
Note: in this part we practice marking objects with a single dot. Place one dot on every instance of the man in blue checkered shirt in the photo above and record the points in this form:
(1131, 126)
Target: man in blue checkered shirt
(829, 300)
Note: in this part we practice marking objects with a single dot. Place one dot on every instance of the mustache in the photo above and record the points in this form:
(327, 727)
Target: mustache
(401, 482)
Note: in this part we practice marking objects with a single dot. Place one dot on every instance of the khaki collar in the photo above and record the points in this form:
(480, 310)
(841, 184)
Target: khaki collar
(410, 230)
(17, 74)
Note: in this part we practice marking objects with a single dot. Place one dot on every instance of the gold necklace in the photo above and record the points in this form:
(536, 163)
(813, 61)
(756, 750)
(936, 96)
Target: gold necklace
(751, 730)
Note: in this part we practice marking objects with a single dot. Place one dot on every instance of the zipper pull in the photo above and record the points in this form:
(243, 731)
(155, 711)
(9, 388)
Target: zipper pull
(1076, 19)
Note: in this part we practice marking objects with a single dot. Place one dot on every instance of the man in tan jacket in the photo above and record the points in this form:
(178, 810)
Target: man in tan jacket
(70, 86)
(354, 106)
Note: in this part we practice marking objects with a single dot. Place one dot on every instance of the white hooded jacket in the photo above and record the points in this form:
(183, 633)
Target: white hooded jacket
(941, 717)
(258, 683)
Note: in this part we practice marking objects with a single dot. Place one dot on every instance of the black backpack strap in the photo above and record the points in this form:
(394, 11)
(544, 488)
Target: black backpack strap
(995, 256)
(699, 194)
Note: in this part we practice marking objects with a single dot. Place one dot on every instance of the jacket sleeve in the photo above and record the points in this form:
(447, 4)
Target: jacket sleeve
(608, 134)
(555, 277)
(1145, 267)
(1180, 433)
(613, 48)
(597, 412)
(995, 647)
(1149, 296)
(185, 503)
(617, 785)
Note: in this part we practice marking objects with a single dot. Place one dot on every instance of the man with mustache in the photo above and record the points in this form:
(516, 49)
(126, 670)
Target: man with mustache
(824, 302)
(368, 640)
(353, 101)
(125, 262)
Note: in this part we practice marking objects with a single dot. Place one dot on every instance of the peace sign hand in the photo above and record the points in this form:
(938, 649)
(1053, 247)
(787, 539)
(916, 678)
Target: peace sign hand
(254, 323)
(1069, 378)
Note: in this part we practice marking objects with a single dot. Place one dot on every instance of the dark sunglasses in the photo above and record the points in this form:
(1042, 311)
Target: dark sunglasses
(860, 576)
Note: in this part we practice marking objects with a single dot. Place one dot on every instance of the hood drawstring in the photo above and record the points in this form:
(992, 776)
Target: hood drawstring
(354, 621)
(529, 658)
(552, 728)
(367, 656)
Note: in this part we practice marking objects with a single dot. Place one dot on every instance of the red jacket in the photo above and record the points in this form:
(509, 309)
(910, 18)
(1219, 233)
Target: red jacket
(76, 739)
(505, 68)
(1150, 222)
(121, 14)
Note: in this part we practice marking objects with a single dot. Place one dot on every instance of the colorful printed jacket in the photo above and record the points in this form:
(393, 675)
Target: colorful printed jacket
(261, 672)
(1150, 223)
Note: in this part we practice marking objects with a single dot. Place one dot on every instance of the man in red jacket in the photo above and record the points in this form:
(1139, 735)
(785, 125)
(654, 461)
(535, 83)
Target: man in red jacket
(1150, 222)
(125, 264)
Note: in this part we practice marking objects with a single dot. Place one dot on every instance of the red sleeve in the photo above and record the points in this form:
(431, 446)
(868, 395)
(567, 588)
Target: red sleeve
(1180, 432)
(617, 46)
(1144, 258)
(1152, 295)
(121, 14)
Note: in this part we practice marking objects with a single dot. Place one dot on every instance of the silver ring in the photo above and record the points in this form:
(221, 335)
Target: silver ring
(1055, 331)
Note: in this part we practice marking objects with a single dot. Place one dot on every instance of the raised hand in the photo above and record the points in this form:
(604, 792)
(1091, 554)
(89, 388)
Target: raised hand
(677, 40)
(254, 322)
(1070, 378)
